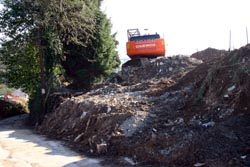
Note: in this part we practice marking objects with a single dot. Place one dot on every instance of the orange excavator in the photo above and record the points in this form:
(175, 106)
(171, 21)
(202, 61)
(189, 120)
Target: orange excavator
(144, 46)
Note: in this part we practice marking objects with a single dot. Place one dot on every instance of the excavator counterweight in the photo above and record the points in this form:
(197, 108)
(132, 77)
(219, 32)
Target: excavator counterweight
(149, 46)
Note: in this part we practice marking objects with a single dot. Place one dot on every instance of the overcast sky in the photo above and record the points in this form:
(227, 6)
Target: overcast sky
(187, 25)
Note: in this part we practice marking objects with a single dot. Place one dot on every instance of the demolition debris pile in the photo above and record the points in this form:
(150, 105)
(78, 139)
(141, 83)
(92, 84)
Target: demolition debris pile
(164, 113)
(139, 70)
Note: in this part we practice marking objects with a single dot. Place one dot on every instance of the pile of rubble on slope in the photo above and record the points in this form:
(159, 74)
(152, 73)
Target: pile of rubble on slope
(209, 54)
(137, 71)
(227, 82)
(170, 122)
(220, 104)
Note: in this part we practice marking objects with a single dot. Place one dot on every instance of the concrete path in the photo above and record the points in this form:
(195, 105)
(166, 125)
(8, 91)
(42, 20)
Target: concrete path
(20, 147)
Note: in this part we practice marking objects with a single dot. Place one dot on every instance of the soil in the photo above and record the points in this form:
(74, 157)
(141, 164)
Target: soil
(209, 54)
(181, 112)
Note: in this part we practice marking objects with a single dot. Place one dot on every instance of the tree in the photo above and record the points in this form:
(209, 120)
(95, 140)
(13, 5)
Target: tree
(50, 25)
(64, 32)
(74, 34)
(87, 65)
(22, 72)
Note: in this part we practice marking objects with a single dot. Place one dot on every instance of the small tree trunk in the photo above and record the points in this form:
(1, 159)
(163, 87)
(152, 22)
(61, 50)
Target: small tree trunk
(42, 78)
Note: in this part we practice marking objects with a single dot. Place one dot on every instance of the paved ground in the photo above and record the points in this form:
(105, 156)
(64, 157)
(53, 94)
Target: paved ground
(20, 147)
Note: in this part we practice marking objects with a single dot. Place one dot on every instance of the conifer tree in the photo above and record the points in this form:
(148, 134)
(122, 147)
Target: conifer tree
(73, 34)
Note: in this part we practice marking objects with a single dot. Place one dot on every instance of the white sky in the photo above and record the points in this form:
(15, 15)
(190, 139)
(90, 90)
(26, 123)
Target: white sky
(187, 25)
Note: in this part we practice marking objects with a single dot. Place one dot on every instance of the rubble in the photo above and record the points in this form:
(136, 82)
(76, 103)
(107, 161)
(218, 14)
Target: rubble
(199, 164)
(231, 88)
(130, 161)
(137, 71)
(165, 112)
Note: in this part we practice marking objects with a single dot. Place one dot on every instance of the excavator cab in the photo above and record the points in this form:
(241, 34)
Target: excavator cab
(149, 45)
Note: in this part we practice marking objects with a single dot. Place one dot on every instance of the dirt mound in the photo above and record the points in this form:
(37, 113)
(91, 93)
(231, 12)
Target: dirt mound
(137, 71)
(198, 118)
(209, 54)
